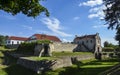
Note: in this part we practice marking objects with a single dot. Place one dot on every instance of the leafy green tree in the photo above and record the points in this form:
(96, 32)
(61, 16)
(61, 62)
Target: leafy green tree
(112, 13)
(109, 45)
(117, 37)
(31, 8)
(106, 43)
(2, 40)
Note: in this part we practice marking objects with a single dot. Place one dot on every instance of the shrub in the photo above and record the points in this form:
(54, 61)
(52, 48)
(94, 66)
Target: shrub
(104, 53)
(110, 54)
(26, 47)
(43, 41)
(108, 49)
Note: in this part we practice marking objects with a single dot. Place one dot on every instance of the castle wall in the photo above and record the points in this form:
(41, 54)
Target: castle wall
(59, 47)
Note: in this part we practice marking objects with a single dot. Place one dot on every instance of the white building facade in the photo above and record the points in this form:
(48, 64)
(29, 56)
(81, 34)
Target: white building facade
(88, 43)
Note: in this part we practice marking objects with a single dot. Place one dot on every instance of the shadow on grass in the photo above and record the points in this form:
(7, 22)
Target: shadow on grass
(83, 71)
(18, 70)
(95, 67)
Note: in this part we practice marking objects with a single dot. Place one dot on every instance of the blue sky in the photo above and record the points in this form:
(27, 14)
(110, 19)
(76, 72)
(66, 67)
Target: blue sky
(67, 19)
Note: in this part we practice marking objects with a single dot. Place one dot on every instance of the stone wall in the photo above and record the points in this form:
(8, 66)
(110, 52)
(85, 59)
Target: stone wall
(44, 65)
(60, 47)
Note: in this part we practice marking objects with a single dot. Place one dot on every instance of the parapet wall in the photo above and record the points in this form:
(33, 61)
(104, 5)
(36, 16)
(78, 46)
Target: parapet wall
(59, 47)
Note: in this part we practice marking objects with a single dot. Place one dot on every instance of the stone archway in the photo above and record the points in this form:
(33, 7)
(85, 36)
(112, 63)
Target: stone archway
(42, 50)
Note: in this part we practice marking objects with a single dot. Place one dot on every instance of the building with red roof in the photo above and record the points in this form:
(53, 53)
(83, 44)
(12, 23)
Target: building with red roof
(15, 40)
(12, 40)
(43, 37)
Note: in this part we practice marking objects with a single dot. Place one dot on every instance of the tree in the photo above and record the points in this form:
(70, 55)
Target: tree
(2, 40)
(109, 45)
(112, 13)
(31, 8)
(117, 37)
(106, 43)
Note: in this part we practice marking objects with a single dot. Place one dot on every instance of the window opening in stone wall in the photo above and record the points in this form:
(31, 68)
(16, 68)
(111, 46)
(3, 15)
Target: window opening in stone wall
(12, 42)
(91, 41)
(87, 41)
(17, 42)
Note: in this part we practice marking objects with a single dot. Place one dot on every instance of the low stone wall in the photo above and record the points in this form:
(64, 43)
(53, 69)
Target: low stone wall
(84, 57)
(44, 65)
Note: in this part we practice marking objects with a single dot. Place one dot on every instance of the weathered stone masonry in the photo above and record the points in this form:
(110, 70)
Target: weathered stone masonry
(45, 65)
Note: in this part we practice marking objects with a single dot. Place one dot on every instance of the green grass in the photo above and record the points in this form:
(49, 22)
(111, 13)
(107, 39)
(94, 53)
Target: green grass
(41, 58)
(57, 54)
(87, 67)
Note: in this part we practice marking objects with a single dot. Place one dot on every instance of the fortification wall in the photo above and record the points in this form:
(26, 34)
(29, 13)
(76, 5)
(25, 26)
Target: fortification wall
(59, 47)
(44, 65)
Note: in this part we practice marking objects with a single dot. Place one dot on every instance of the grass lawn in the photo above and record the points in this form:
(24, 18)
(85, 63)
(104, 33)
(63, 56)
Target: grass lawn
(87, 67)
(41, 58)
(57, 54)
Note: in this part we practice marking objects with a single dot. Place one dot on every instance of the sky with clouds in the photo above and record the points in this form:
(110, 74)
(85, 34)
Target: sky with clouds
(67, 19)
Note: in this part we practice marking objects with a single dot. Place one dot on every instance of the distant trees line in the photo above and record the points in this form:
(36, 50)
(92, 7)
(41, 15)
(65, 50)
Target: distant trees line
(108, 47)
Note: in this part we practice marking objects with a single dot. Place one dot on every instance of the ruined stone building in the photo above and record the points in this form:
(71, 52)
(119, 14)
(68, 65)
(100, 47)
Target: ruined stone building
(88, 43)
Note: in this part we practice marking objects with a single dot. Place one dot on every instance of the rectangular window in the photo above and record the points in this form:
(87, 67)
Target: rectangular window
(12, 42)
(8, 41)
(91, 41)
(87, 41)
(82, 42)
(17, 42)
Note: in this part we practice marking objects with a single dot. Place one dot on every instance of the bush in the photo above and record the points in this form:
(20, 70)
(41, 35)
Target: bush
(26, 47)
(108, 49)
(110, 54)
(104, 53)
(118, 54)
(43, 41)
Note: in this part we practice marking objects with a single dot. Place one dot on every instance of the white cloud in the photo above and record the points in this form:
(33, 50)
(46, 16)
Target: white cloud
(54, 25)
(91, 3)
(99, 26)
(6, 33)
(66, 40)
(110, 40)
(96, 10)
(76, 18)
(27, 27)
(98, 14)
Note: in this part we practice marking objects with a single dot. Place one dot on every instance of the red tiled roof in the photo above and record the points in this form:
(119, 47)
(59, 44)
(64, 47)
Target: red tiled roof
(17, 38)
(46, 37)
